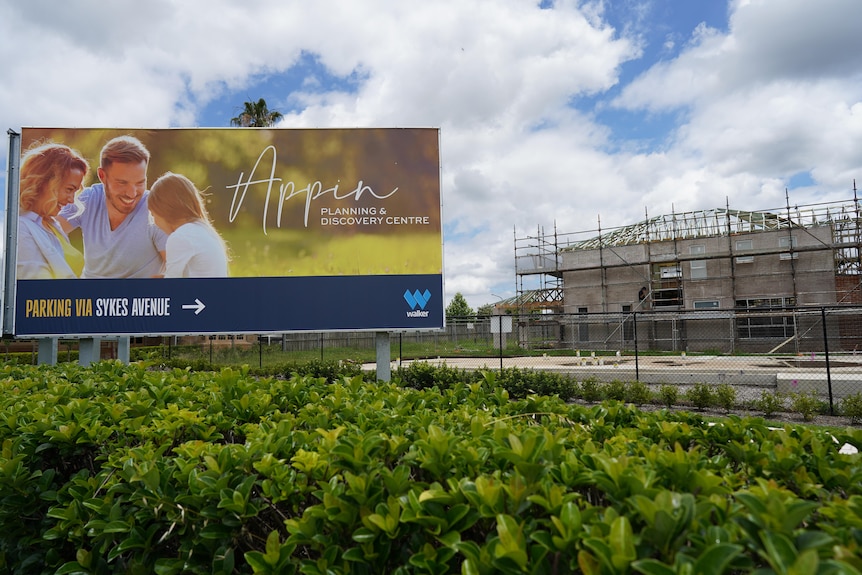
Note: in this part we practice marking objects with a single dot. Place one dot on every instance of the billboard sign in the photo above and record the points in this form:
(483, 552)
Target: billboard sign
(234, 230)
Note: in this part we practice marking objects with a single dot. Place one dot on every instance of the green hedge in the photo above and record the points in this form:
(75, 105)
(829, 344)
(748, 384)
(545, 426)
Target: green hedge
(120, 469)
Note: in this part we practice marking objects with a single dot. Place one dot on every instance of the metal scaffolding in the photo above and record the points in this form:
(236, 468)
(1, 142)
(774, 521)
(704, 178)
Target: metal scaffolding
(537, 257)
(539, 269)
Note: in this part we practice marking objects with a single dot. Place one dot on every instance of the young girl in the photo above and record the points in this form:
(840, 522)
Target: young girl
(194, 248)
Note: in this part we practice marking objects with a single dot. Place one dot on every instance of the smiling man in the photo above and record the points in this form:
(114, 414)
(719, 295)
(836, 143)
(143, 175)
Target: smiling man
(119, 239)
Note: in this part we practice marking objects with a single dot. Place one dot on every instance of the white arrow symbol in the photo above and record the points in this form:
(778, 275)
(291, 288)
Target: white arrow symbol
(198, 306)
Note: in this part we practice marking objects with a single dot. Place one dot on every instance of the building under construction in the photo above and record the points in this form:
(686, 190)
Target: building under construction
(753, 265)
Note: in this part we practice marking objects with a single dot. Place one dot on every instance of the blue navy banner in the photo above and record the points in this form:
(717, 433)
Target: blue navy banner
(228, 305)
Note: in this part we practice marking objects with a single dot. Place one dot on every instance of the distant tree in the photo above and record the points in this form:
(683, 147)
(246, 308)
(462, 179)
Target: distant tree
(458, 307)
(256, 115)
(485, 310)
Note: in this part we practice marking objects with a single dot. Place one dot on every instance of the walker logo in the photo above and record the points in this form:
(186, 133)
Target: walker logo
(415, 300)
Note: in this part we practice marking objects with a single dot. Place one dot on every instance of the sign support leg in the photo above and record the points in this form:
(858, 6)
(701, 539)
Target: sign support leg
(124, 345)
(48, 351)
(89, 350)
(384, 370)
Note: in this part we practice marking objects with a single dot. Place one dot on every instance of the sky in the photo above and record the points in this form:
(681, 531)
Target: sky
(554, 115)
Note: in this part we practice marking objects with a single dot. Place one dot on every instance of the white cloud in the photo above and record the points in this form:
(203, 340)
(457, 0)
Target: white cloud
(776, 95)
(514, 88)
(472, 64)
(768, 41)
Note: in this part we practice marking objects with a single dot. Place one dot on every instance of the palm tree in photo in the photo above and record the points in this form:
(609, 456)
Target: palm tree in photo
(256, 115)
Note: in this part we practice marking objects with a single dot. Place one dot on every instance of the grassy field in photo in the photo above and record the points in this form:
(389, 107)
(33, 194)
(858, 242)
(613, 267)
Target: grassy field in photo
(302, 253)
(282, 253)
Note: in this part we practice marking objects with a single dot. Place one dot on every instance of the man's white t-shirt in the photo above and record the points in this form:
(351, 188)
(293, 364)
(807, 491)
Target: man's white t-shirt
(130, 251)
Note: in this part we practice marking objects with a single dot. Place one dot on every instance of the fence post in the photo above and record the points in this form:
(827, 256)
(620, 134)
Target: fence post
(500, 339)
(635, 329)
(826, 353)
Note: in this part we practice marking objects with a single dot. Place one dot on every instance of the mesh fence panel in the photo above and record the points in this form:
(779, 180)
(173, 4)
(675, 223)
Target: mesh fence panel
(788, 349)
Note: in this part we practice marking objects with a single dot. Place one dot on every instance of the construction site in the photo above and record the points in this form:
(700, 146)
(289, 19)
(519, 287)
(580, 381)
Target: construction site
(722, 279)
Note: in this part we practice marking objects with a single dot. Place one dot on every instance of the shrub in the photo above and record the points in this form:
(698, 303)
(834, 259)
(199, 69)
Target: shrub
(191, 364)
(808, 405)
(638, 393)
(700, 395)
(417, 375)
(769, 403)
(615, 390)
(851, 406)
(330, 370)
(550, 383)
(668, 395)
(522, 382)
(423, 375)
(725, 396)
(590, 390)
(574, 390)
(519, 383)
(121, 469)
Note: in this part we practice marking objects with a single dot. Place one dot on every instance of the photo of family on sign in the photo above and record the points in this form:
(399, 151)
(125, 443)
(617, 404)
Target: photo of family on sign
(118, 203)
(127, 230)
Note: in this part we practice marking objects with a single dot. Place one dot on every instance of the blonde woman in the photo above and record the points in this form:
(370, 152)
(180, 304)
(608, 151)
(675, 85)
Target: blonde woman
(51, 175)
(194, 247)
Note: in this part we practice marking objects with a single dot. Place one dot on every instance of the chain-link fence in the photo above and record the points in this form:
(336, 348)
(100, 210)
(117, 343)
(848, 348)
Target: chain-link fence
(766, 330)
(789, 348)
(783, 349)
(763, 331)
